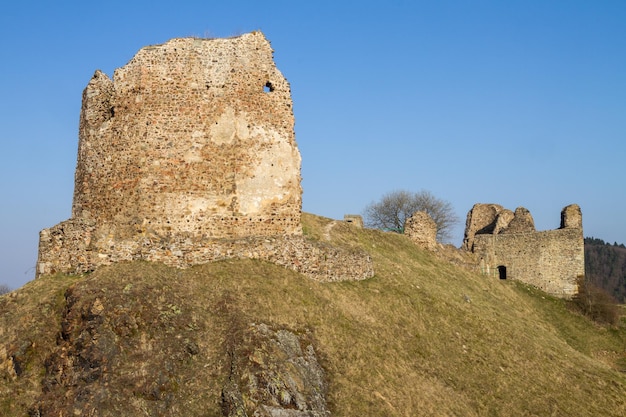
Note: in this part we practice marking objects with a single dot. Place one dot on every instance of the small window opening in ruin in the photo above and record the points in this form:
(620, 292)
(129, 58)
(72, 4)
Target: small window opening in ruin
(502, 272)
(268, 87)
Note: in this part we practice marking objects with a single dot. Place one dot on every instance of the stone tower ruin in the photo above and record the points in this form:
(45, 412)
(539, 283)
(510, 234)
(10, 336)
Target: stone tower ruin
(507, 246)
(189, 147)
(422, 230)
(192, 136)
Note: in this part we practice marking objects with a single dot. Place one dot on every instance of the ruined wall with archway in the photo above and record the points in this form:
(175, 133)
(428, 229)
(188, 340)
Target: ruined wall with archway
(550, 260)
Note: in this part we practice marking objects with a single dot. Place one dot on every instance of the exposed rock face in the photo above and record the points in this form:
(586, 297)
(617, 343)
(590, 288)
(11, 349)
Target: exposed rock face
(273, 376)
(508, 247)
(422, 230)
(151, 345)
(187, 156)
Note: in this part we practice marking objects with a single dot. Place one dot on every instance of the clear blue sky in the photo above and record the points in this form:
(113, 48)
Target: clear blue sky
(521, 103)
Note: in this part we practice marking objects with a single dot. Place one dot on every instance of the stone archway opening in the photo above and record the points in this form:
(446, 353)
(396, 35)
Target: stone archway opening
(502, 272)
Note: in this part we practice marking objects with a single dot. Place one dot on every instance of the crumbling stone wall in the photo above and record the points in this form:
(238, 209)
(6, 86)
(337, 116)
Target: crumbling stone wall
(354, 219)
(193, 136)
(550, 260)
(480, 219)
(422, 230)
(188, 155)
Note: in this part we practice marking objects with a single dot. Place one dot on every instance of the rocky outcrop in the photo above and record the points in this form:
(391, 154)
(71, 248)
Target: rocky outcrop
(274, 375)
(150, 347)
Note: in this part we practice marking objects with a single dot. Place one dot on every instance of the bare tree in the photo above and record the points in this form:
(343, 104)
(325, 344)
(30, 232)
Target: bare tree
(4, 289)
(391, 211)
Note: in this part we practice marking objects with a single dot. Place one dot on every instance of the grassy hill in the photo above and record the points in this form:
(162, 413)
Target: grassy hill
(422, 338)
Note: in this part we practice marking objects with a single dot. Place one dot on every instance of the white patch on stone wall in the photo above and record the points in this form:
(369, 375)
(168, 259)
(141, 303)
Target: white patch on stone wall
(197, 204)
(230, 126)
(268, 183)
(193, 155)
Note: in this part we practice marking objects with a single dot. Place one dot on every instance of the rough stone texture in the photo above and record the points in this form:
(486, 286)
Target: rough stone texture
(480, 219)
(522, 222)
(571, 217)
(188, 155)
(422, 230)
(354, 219)
(274, 376)
(69, 249)
(550, 260)
(185, 139)
(502, 221)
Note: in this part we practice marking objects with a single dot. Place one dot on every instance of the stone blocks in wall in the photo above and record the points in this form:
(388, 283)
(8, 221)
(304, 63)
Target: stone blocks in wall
(481, 218)
(551, 260)
(521, 222)
(188, 155)
(188, 137)
(354, 219)
(422, 230)
(571, 217)
(69, 248)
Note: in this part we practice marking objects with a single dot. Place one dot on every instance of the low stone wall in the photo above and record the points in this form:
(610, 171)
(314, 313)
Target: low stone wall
(75, 246)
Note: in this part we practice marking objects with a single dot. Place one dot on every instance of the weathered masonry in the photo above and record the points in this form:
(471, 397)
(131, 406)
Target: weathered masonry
(188, 155)
(186, 139)
(508, 247)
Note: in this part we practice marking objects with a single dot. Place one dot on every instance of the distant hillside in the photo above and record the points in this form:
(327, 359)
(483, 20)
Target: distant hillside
(605, 266)
(423, 337)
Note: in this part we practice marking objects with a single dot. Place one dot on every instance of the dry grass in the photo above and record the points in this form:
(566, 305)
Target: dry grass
(422, 337)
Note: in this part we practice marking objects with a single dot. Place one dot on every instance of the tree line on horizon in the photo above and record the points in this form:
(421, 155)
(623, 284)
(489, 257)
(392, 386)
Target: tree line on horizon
(605, 266)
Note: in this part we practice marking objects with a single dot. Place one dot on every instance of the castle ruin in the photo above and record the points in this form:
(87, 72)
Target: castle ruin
(422, 230)
(188, 155)
(507, 246)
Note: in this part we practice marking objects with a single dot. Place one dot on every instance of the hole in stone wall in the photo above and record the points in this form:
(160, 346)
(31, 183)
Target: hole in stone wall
(502, 272)
(268, 87)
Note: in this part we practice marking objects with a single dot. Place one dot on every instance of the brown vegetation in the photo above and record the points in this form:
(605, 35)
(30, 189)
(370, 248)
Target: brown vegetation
(605, 266)
(422, 337)
(596, 303)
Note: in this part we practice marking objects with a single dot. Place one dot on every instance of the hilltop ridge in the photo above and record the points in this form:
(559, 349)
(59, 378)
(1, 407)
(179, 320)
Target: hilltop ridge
(422, 337)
